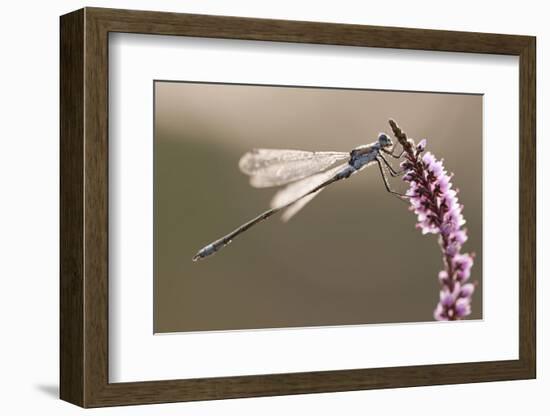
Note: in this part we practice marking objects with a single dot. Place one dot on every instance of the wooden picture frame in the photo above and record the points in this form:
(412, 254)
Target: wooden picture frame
(84, 207)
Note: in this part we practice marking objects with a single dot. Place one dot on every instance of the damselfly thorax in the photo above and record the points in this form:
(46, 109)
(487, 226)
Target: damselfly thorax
(304, 175)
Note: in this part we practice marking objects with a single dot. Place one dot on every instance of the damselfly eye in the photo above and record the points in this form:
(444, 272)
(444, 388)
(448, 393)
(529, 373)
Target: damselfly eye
(384, 140)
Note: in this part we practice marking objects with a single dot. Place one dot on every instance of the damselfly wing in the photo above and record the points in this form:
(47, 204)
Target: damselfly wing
(295, 191)
(275, 167)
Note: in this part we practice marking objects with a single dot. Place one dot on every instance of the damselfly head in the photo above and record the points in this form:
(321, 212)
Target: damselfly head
(384, 140)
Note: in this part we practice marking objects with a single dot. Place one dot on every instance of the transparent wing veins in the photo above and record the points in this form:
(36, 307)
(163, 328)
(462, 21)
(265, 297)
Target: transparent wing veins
(296, 190)
(275, 167)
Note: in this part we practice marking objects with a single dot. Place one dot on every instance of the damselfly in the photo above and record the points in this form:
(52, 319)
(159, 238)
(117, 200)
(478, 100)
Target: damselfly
(305, 174)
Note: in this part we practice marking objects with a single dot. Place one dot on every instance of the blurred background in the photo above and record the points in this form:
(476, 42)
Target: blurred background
(351, 256)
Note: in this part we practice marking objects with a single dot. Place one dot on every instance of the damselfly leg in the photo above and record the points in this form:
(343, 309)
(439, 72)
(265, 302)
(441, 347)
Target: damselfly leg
(392, 170)
(391, 152)
(401, 196)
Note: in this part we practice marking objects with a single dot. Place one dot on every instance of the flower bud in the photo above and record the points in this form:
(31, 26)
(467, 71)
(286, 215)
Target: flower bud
(421, 145)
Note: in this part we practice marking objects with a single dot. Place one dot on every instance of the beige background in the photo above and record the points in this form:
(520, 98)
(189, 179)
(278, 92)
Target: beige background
(352, 256)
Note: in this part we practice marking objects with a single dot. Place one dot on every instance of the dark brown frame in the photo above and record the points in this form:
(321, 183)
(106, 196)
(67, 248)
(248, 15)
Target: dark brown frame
(84, 213)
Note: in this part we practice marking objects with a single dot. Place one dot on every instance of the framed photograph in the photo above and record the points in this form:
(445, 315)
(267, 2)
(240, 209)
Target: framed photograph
(377, 186)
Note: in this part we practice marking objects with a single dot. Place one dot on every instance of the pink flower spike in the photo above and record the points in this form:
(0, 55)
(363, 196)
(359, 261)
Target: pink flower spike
(435, 204)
